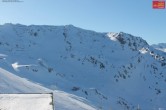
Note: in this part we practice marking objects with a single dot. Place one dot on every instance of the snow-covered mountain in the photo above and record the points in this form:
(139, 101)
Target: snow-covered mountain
(160, 46)
(111, 70)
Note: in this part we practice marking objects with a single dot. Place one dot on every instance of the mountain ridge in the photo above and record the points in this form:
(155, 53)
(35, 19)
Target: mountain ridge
(112, 70)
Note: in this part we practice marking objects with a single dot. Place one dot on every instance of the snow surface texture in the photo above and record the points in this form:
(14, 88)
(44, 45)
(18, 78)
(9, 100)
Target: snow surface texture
(26, 102)
(10, 83)
(115, 71)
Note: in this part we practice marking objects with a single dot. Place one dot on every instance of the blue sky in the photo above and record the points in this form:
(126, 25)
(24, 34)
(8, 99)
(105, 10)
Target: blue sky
(131, 16)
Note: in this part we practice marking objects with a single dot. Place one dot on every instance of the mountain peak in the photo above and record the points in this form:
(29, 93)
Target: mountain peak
(134, 43)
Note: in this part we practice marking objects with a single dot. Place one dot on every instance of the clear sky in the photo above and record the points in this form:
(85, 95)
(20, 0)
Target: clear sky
(131, 16)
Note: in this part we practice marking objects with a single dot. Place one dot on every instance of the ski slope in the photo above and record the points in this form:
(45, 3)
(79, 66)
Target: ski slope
(10, 84)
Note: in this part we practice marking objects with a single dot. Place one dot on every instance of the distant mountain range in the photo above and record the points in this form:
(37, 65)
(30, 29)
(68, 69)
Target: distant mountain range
(110, 71)
(160, 46)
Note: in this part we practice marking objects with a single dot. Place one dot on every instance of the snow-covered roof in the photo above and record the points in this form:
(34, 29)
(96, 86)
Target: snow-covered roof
(26, 102)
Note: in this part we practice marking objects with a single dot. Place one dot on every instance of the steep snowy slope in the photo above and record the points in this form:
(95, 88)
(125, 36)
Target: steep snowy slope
(160, 46)
(9, 83)
(111, 70)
